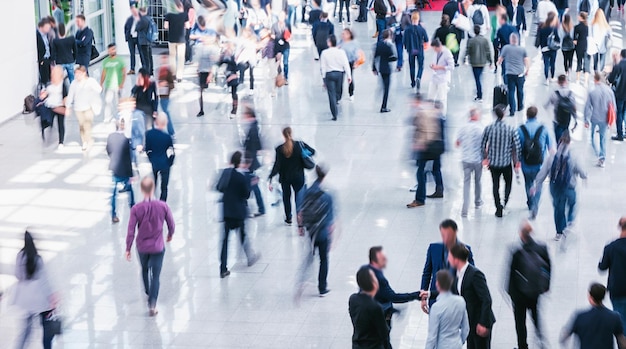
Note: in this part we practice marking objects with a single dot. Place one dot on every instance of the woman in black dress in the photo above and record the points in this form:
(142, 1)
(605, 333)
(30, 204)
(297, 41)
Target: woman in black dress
(581, 32)
(146, 97)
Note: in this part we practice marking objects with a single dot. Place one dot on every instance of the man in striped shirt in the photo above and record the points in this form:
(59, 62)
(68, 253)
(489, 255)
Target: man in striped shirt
(501, 149)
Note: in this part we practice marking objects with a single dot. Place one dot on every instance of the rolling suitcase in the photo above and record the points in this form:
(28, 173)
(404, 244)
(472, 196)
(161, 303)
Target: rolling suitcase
(500, 95)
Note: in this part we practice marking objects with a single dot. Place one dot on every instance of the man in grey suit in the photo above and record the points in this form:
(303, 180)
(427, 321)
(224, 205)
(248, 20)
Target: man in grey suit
(447, 316)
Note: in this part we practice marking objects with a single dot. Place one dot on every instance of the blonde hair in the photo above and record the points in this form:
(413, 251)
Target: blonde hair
(415, 16)
(288, 145)
(600, 20)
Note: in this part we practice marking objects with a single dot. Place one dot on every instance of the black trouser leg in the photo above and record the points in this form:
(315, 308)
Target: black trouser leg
(386, 81)
(61, 125)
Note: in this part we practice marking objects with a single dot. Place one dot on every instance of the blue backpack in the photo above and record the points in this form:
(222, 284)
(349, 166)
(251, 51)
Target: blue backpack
(560, 174)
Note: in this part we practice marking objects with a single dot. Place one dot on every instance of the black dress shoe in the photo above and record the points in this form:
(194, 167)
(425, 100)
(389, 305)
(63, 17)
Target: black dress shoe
(385, 110)
(617, 138)
(200, 114)
(224, 274)
(334, 118)
(435, 195)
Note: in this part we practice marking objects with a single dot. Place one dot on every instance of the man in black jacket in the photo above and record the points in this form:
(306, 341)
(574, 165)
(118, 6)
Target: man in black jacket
(520, 285)
(64, 52)
(614, 260)
(144, 41)
(160, 150)
(381, 11)
(235, 209)
(384, 54)
(618, 80)
(368, 321)
(118, 149)
(44, 50)
(131, 35)
(84, 40)
(252, 145)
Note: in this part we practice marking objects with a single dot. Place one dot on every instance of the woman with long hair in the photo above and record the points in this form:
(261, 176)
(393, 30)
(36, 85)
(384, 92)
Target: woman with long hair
(566, 33)
(581, 34)
(601, 34)
(547, 34)
(33, 292)
(289, 167)
(146, 97)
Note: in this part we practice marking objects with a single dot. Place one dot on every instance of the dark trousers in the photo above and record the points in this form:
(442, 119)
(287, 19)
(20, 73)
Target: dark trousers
(496, 173)
(515, 85)
(343, 3)
(568, 59)
(621, 116)
(549, 63)
(145, 54)
(399, 49)
(188, 48)
(151, 264)
(478, 71)
(61, 125)
(496, 54)
(521, 304)
(334, 87)
(259, 199)
(559, 129)
(474, 341)
(165, 178)
(386, 81)
(362, 11)
(231, 224)
(28, 323)
(84, 59)
(323, 247)
(44, 71)
(351, 84)
(242, 71)
(532, 201)
(297, 187)
(133, 47)
(420, 66)
(420, 193)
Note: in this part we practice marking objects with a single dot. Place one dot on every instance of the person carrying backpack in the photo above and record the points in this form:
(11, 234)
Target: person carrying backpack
(536, 143)
(562, 167)
(479, 15)
(145, 37)
(528, 278)
(562, 99)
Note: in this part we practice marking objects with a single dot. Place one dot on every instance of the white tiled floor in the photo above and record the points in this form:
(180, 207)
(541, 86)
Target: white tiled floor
(63, 196)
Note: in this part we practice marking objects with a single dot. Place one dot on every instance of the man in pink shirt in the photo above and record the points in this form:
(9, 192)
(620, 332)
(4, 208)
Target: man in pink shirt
(148, 217)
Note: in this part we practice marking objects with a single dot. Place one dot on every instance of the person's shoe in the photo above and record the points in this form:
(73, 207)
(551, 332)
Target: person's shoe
(254, 259)
(414, 204)
(435, 195)
(179, 80)
(286, 82)
(617, 138)
(385, 110)
(477, 99)
(288, 221)
(224, 274)
(375, 35)
(317, 58)
(600, 163)
(464, 214)
(412, 84)
(499, 213)
(558, 237)
(60, 146)
(259, 214)
(84, 147)
(398, 69)
(334, 118)
(200, 114)
(324, 293)
(188, 62)
(115, 219)
(351, 98)
(131, 72)
(152, 312)
(520, 108)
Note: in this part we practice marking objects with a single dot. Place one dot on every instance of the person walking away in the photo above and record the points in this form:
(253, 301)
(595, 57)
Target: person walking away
(562, 7)
(414, 39)
(614, 260)
(544, 8)
(515, 65)
(145, 29)
(235, 210)
(165, 85)
(563, 168)
(599, 101)
(112, 81)
(231, 74)
(368, 321)
(64, 52)
(131, 36)
(119, 152)
(528, 278)
(384, 54)
(208, 56)
(316, 216)
(479, 54)
(566, 33)
(517, 15)
(246, 57)
(501, 151)
(160, 150)
(502, 39)
(134, 127)
(478, 15)
(334, 66)
(33, 292)
(54, 96)
(469, 139)
(601, 37)
(536, 143)
(44, 51)
(83, 100)
(351, 48)
(448, 325)
(175, 23)
(442, 70)
(57, 12)
(146, 97)
(449, 36)
(252, 145)
(191, 18)
(322, 30)
(564, 103)
(147, 218)
(596, 327)
(617, 79)
(362, 11)
(549, 41)
(84, 41)
(581, 42)
(281, 33)
(381, 11)
(290, 168)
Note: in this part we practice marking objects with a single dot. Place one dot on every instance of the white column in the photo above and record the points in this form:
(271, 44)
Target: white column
(121, 9)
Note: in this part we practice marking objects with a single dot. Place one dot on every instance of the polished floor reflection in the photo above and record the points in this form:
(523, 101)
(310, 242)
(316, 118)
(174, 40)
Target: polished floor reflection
(63, 196)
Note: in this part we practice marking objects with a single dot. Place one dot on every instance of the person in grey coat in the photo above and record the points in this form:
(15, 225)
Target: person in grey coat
(596, 114)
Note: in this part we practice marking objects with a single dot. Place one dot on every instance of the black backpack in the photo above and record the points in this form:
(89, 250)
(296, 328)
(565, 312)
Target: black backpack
(532, 152)
(560, 174)
(564, 109)
(314, 212)
(532, 273)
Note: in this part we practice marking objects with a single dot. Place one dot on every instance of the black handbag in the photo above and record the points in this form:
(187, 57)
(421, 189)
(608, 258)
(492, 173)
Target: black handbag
(52, 322)
(433, 150)
(94, 51)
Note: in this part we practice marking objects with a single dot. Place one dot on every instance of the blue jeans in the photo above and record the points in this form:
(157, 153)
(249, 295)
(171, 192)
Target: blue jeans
(291, 15)
(420, 66)
(535, 4)
(381, 25)
(69, 68)
(562, 199)
(532, 200)
(515, 83)
(259, 199)
(399, 50)
(558, 131)
(127, 187)
(619, 305)
(621, 117)
(285, 64)
(549, 63)
(478, 71)
(165, 106)
(600, 153)
(420, 193)
(28, 322)
(560, 13)
(151, 264)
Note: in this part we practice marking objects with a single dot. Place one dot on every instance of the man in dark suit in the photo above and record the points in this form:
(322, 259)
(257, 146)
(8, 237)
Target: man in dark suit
(160, 150)
(368, 320)
(118, 149)
(252, 145)
(384, 54)
(471, 284)
(517, 14)
(44, 50)
(322, 30)
(414, 38)
(617, 78)
(437, 258)
(145, 44)
(84, 40)
(131, 36)
(235, 208)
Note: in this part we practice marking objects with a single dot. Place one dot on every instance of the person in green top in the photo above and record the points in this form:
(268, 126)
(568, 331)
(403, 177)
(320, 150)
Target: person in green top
(112, 81)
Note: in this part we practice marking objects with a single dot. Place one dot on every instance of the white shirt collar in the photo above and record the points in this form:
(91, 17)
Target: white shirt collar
(459, 276)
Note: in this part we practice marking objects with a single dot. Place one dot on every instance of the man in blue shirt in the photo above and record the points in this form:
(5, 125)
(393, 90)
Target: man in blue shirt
(614, 260)
(448, 324)
(535, 142)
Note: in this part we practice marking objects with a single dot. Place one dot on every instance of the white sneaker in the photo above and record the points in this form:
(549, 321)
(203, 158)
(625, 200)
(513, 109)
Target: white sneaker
(351, 98)
(558, 237)
(60, 146)
(600, 163)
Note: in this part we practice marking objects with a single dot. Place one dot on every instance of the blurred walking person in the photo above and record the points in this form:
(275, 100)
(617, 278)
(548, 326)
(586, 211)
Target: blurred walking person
(448, 325)
(146, 97)
(368, 321)
(64, 52)
(564, 102)
(160, 151)
(147, 218)
(479, 54)
(176, 24)
(119, 151)
(617, 79)
(165, 85)
(599, 102)
(131, 36)
(414, 38)
(112, 81)
(54, 96)
(614, 260)
(351, 48)
(208, 53)
(83, 100)
(442, 68)
(334, 65)
(144, 39)
(252, 145)
(470, 139)
(384, 54)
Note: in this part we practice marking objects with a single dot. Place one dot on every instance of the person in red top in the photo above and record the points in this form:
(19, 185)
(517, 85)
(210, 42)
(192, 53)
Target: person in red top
(148, 217)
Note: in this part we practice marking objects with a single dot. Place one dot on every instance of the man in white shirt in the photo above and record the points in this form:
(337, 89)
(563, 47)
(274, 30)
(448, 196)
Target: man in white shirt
(543, 8)
(470, 139)
(334, 65)
(483, 20)
(83, 99)
(442, 68)
(448, 325)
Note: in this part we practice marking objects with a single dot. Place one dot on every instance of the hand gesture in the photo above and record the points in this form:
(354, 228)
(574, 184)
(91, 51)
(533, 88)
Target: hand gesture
(128, 255)
(482, 330)
(424, 306)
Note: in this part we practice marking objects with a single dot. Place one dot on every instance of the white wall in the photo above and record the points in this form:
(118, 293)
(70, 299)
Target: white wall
(18, 57)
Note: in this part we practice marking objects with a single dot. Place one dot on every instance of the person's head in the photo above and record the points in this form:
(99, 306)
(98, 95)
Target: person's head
(415, 18)
(367, 281)
(500, 10)
(147, 186)
(31, 255)
(582, 17)
(133, 10)
(61, 29)
(444, 281)
(567, 22)
(143, 78)
(121, 124)
(565, 138)
(143, 11)
(622, 225)
(80, 73)
(499, 111)
(514, 39)
(201, 22)
(386, 34)
(235, 159)
(597, 77)
(474, 114)
(600, 19)
(179, 5)
(476, 30)
(44, 26)
(378, 259)
(562, 80)
(503, 19)
(531, 112)
(332, 40)
(596, 294)
(288, 145)
(80, 21)
(448, 229)
(525, 229)
(458, 256)
(53, 22)
(249, 114)
(622, 53)
(56, 75)
(321, 170)
(347, 35)
(550, 20)
(445, 20)
(436, 45)
(324, 16)
(161, 121)
(112, 50)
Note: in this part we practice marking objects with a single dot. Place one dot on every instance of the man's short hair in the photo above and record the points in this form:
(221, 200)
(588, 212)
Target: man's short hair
(333, 40)
(147, 185)
(444, 279)
(436, 42)
(531, 112)
(81, 68)
(499, 110)
(61, 28)
(111, 45)
(43, 22)
(235, 159)
(201, 21)
(80, 16)
(460, 251)
(448, 224)
(562, 79)
(622, 223)
(597, 292)
(623, 53)
(597, 76)
(386, 34)
(365, 279)
(504, 17)
(324, 15)
(374, 253)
